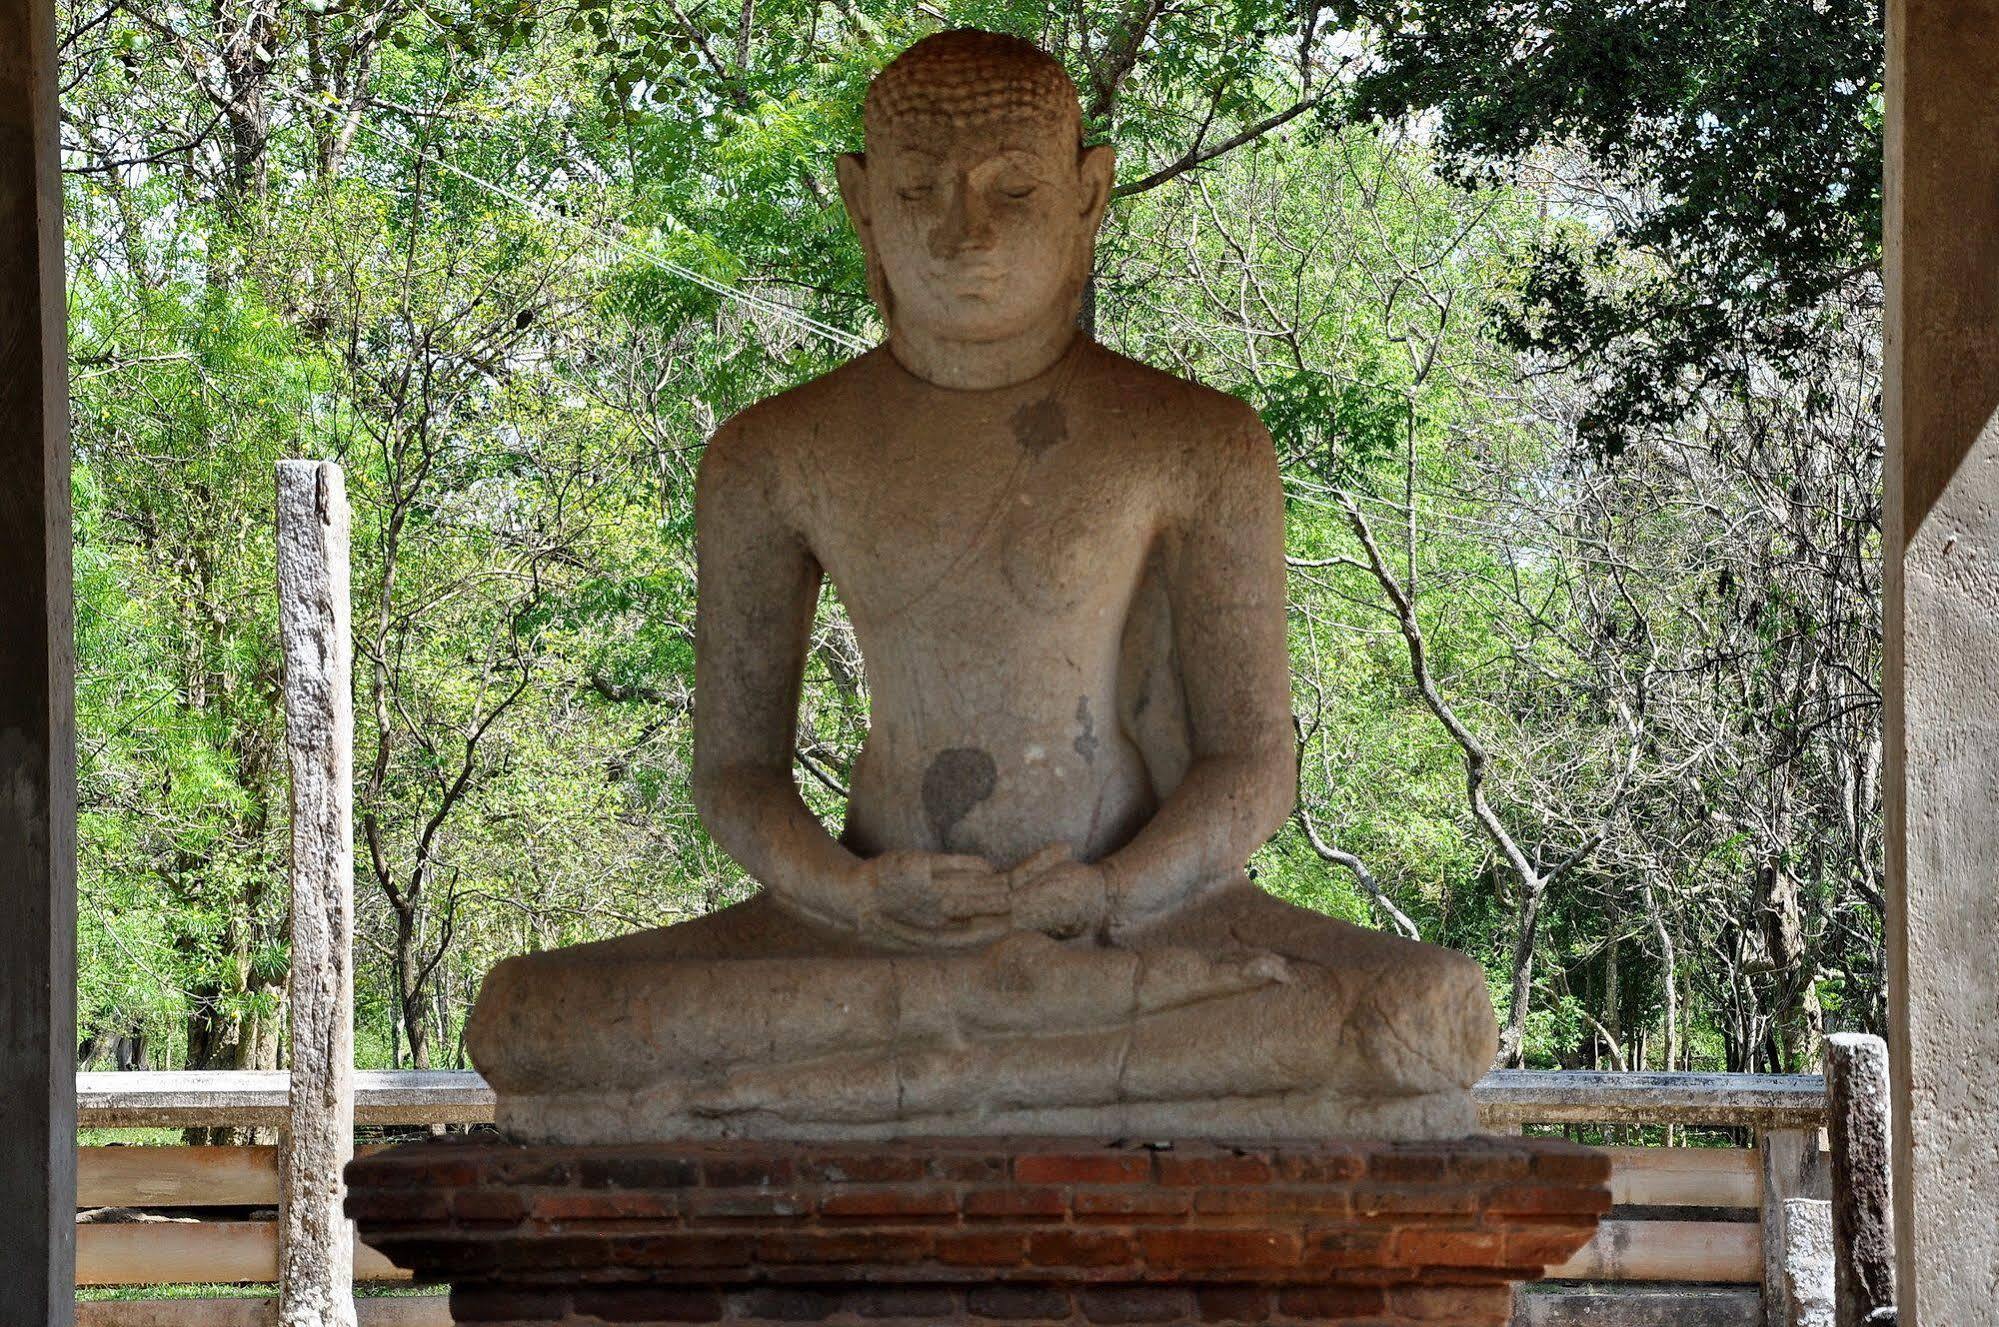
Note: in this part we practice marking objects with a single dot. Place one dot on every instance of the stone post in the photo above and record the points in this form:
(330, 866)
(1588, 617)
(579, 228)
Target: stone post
(1793, 1169)
(1941, 650)
(1808, 1259)
(1856, 1098)
(37, 733)
(316, 1242)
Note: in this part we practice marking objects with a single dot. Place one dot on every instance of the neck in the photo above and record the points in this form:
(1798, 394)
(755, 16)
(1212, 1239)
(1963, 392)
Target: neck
(981, 365)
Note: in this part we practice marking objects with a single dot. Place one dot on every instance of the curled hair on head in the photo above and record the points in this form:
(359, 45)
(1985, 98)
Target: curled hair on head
(967, 75)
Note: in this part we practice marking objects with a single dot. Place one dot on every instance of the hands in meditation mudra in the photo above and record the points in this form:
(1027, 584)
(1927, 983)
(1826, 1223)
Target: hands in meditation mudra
(1066, 574)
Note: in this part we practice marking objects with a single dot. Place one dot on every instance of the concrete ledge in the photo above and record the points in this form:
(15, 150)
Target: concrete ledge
(1558, 1305)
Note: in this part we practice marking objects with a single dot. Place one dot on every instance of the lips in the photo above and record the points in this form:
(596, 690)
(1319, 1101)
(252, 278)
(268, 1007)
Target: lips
(982, 275)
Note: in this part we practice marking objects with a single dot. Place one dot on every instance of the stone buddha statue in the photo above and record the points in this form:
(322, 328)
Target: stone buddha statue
(1066, 574)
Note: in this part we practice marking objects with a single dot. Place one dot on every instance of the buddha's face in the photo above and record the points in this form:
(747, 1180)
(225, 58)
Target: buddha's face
(979, 231)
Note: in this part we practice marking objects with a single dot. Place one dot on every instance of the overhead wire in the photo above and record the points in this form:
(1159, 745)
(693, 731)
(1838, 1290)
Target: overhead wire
(762, 304)
(1401, 512)
(836, 336)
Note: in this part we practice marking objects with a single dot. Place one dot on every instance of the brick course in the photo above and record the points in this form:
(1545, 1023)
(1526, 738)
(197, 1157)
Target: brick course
(1013, 1232)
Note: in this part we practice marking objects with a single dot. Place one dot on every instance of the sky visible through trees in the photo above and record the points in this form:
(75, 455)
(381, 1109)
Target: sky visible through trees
(1569, 343)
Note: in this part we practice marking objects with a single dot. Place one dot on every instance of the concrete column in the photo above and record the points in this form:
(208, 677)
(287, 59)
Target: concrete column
(37, 740)
(1941, 674)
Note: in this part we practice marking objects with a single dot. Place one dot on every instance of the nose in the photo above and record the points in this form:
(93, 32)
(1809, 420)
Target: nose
(966, 224)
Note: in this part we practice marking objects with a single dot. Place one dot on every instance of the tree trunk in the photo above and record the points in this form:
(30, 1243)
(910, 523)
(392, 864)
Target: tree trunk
(1513, 1035)
(246, 62)
(410, 990)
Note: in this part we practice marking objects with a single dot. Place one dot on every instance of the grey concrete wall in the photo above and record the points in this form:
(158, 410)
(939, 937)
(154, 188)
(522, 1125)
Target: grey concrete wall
(1942, 651)
(37, 742)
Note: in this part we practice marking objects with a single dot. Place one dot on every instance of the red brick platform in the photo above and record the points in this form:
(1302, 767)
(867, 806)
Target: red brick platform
(980, 1231)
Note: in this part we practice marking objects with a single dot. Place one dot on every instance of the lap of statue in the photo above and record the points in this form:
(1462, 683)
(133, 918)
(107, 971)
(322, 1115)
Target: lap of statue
(1241, 1016)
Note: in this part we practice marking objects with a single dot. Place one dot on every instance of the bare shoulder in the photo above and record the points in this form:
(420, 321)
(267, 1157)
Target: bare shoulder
(1215, 442)
(1180, 411)
(761, 443)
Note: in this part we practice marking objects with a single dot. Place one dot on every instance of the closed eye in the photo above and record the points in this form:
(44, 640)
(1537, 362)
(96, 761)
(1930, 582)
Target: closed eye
(914, 192)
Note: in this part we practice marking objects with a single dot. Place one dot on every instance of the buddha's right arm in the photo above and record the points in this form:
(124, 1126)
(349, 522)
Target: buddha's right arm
(760, 820)
(757, 586)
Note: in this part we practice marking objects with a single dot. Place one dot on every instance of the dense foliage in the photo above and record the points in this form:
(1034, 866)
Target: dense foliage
(1607, 722)
(1733, 148)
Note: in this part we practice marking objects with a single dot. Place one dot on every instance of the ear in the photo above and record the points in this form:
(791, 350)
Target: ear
(852, 169)
(1096, 168)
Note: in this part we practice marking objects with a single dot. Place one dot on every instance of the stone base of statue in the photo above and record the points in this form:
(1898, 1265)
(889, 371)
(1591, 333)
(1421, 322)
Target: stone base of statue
(1001, 1231)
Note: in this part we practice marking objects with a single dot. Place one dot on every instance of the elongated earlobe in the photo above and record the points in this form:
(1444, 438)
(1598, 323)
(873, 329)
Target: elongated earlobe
(852, 170)
(1097, 169)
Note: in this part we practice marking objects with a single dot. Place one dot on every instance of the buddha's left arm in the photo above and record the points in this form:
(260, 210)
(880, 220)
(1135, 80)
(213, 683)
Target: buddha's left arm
(1224, 564)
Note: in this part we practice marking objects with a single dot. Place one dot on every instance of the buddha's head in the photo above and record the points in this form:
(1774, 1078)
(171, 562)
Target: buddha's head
(975, 200)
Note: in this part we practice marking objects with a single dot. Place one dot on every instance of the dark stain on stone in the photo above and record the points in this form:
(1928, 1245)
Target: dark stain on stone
(1086, 741)
(1039, 425)
(959, 778)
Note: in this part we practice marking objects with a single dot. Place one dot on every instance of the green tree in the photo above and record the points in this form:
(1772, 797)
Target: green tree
(1730, 149)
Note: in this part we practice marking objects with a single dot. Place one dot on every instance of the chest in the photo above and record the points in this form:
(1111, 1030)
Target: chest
(1018, 507)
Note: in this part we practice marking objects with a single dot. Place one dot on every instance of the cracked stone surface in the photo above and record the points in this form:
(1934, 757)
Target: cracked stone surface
(1065, 572)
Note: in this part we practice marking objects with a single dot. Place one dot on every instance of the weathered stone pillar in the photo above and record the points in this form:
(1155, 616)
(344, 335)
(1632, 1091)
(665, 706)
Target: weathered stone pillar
(1808, 1264)
(37, 740)
(1863, 1228)
(1941, 674)
(315, 1240)
(1793, 1171)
